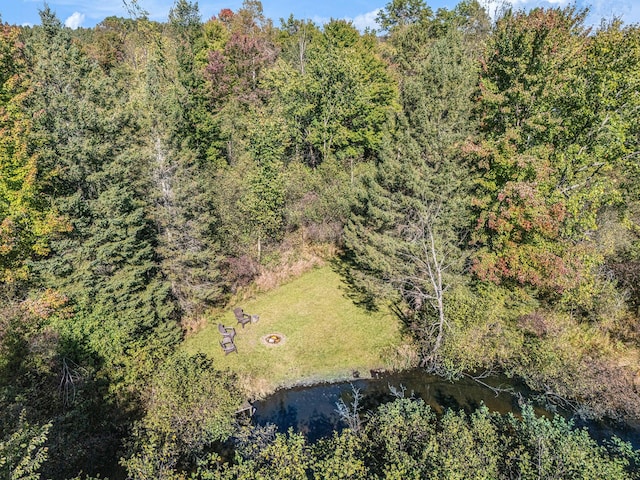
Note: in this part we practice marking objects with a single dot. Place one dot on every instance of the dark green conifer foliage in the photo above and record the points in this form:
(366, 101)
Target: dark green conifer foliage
(185, 39)
(181, 179)
(107, 263)
(407, 226)
(146, 169)
(121, 315)
(185, 213)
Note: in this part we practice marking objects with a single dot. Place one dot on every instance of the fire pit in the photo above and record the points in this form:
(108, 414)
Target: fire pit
(273, 339)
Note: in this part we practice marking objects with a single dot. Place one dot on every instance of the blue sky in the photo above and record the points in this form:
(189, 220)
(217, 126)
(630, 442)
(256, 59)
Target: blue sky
(87, 13)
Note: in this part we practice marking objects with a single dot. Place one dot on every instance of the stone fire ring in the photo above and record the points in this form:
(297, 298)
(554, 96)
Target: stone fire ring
(274, 339)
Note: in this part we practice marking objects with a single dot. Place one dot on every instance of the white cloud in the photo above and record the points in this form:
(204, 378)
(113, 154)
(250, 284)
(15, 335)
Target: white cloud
(361, 22)
(318, 20)
(366, 20)
(527, 4)
(74, 21)
(628, 10)
(538, 3)
(495, 7)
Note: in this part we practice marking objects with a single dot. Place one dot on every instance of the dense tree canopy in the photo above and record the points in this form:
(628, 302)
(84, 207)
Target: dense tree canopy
(479, 175)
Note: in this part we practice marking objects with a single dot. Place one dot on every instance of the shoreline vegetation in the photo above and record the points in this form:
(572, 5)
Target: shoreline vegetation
(455, 190)
(318, 291)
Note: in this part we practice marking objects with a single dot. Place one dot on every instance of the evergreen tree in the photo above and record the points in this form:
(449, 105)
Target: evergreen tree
(185, 213)
(106, 264)
(405, 232)
(180, 179)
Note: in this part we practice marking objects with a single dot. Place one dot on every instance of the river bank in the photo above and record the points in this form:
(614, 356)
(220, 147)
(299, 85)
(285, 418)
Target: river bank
(312, 409)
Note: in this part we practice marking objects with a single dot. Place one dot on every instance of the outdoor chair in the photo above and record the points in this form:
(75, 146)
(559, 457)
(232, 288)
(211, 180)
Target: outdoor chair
(243, 318)
(228, 346)
(246, 408)
(227, 332)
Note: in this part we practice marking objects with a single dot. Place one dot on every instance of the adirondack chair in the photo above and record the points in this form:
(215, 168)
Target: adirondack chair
(228, 346)
(243, 318)
(227, 332)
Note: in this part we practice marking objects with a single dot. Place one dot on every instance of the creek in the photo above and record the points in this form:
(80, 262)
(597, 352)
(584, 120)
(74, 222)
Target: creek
(312, 410)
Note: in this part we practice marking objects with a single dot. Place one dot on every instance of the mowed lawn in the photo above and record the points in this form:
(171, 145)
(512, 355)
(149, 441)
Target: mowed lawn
(326, 336)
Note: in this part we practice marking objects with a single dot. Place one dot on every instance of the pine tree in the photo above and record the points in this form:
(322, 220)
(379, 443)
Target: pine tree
(406, 230)
(180, 176)
(107, 264)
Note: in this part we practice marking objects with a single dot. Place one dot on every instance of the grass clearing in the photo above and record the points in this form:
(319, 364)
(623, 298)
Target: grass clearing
(326, 336)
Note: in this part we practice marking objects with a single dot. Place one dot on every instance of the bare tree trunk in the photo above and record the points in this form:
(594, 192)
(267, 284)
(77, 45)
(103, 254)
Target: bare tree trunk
(259, 248)
(436, 268)
(163, 173)
(423, 281)
(351, 168)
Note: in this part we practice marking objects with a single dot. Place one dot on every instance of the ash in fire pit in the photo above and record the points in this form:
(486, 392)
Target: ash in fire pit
(273, 339)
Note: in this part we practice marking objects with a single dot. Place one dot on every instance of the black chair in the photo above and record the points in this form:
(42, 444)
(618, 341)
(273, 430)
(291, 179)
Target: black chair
(228, 346)
(243, 318)
(229, 332)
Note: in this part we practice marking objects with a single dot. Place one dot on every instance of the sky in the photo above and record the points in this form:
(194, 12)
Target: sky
(87, 13)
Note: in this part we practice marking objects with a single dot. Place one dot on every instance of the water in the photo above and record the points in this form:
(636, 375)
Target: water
(312, 410)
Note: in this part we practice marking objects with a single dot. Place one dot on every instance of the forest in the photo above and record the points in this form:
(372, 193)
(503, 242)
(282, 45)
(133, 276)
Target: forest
(479, 176)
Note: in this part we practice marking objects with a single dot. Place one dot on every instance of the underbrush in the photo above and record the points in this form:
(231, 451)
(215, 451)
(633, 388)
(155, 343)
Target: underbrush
(572, 362)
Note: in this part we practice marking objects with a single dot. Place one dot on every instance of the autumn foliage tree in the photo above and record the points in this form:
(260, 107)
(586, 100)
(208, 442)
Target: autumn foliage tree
(480, 176)
(27, 219)
(531, 218)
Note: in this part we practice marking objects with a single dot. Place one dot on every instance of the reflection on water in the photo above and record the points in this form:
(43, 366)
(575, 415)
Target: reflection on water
(312, 410)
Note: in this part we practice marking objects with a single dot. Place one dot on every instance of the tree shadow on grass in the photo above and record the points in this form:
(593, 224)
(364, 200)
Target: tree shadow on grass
(361, 292)
(54, 379)
(355, 287)
(89, 428)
